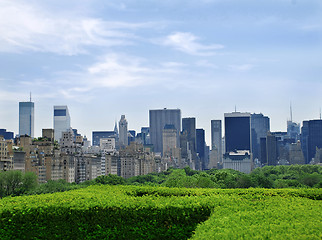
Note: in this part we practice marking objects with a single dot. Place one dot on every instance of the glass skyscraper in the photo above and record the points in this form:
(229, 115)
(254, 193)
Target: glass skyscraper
(237, 131)
(61, 121)
(26, 118)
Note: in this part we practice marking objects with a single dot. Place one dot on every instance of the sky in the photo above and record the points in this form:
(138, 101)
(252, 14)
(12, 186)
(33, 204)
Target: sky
(206, 57)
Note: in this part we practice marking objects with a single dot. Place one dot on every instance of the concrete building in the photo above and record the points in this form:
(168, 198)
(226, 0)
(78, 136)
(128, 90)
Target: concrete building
(61, 121)
(169, 139)
(295, 154)
(26, 118)
(158, 119)
(123, 131)
(239, 160)
(107, 145)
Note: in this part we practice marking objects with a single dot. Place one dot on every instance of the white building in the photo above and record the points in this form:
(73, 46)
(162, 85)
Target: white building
(239, 160)
(61, 121)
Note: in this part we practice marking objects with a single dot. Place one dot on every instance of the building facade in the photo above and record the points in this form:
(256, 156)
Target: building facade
(157, 120)
(26, 118)
(61, 121)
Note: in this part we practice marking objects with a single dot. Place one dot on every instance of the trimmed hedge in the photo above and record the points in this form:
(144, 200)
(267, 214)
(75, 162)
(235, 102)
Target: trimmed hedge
(129, 212)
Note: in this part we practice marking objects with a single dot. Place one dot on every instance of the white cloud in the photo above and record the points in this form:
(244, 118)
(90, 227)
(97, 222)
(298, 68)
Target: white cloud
(24, 27)
(205, 63)
(188, 43)
(242, 67)
(173, 64)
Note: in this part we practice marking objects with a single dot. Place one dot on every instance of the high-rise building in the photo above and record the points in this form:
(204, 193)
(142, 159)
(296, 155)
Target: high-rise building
(293, 130)
(314, 138)
(158, 119)
(260, 125)
(98, 135)
(189, 125)
(61, 121)
(304, 140)
(237, 131)
(201, 147)
(26, 118)
(123, 132)
(169, 139)
(216, 141)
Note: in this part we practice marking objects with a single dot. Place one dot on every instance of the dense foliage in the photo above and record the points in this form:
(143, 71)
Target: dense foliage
(15, 183)
(134, 212)
(293, 176)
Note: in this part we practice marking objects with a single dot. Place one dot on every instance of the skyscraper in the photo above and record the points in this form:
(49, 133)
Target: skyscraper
(158, 119)
(314, 138)
(189, 125)
(201, 147)
(123, 138)
(26, 118)
(216, 141)
(61, 121)
(260, 125)
(237, 131)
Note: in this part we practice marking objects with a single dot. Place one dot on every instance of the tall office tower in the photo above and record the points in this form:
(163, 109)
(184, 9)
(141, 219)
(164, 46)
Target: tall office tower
(271, 149)
(61, 121)
(293, 130)
(26, 118)
(304, 140)
(237, 131)
(216, 141)
(314, 138)
(201, 147)
(123, 135)
(260, 125)
(158, 119)
(189, 125)
(169, 140)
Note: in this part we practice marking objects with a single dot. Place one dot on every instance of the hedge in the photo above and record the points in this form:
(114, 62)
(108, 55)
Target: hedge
(130, 212)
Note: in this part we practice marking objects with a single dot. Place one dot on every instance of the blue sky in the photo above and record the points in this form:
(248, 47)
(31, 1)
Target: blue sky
(107, 58)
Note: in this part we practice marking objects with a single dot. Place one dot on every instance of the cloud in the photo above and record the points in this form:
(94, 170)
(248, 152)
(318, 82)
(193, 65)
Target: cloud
(205, 63)
(241, 68)
(173, 64)
(188, 43)
(26, 27)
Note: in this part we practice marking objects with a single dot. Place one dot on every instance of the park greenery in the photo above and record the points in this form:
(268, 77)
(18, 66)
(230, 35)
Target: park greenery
(149, 212)
(16, 183)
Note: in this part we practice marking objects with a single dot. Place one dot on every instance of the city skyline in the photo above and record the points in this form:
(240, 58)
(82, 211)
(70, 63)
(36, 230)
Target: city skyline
(104, 60)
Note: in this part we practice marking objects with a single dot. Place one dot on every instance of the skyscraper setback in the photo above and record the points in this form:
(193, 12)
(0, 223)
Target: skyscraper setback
(26, 118)
(123, 136)
(61, 121)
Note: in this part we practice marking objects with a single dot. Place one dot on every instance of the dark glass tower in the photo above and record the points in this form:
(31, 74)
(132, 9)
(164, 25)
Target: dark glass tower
(237, 131)
(314, 138)
(260, 125)
(201, 147)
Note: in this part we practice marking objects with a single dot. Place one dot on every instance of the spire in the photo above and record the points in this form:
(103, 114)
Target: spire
(291, 112)
(115, 128)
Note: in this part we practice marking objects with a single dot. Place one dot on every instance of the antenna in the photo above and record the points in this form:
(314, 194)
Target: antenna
(320, 113)
(291, 112)
(30, 96)
(235, 108)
